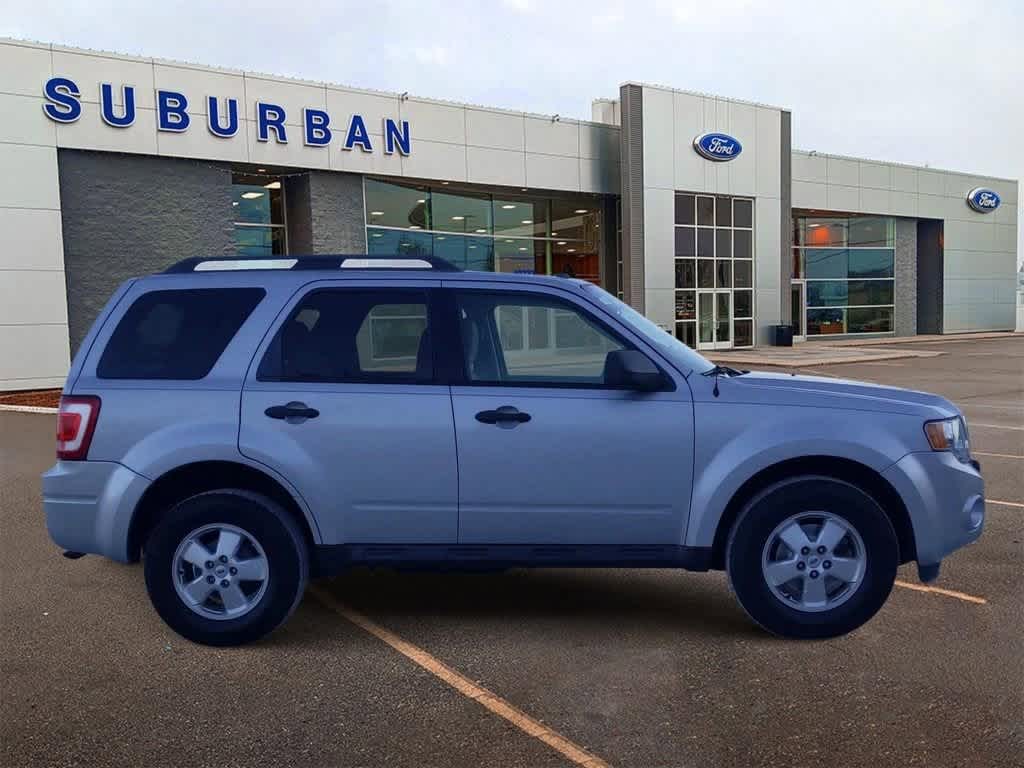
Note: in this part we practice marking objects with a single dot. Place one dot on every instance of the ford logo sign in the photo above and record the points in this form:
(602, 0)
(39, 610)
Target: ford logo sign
(983, 200)
(717, 146)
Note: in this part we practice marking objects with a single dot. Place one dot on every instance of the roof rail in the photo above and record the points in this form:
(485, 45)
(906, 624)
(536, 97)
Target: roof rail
(310, 262)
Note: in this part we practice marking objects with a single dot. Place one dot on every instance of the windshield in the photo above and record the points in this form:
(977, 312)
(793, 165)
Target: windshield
(681, 355)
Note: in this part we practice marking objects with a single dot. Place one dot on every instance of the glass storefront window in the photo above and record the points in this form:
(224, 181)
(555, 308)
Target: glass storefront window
(391, 205)
(476, 229)
(743, 213)
(705, 243)
(685, 209)
(257, 204)
(686, 242)
(686, 305)
(742, 244)
(743, 274)
(723, 273)
(706, 211)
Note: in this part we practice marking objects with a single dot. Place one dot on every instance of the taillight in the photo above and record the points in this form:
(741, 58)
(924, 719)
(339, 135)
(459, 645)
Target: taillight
(76, 421)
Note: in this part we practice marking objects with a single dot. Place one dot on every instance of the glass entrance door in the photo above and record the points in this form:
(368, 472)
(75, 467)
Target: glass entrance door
(798, 300)
(714, 319)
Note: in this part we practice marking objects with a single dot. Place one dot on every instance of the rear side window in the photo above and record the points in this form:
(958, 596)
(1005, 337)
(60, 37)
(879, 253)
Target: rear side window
(176, 334)
(356, 336)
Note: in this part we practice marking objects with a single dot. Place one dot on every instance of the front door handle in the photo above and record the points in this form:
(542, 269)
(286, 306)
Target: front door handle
(506, 414)
(292, 412)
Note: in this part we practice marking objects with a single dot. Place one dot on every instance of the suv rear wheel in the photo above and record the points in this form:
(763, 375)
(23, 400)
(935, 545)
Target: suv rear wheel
(812, 557)
(226, 567)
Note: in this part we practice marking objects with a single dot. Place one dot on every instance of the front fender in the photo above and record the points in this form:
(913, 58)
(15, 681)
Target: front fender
(734, 442)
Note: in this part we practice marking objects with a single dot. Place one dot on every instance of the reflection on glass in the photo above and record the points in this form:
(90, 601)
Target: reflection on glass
(706, 211)
(743, 274)
(396, 205)
(686, 242)
(742, 244)
(869, 320)
(522, 217)
(686, 273)
(840, 263)
(723, 244)
(744, 303)
(400, 242)
(463, 212)
(465, 252)
(706, 317)
(723, 273)
(723, 317)
(685, 209)
(723, 212)
(706, 273)
(686, 305)
(743, 213)
(705, 243)
(743, 333)
(687, 333)
(259, 241)
(526, 257)
(825, 321)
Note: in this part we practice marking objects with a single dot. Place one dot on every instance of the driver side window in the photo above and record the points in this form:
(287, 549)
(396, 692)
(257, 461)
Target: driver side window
(531, 339)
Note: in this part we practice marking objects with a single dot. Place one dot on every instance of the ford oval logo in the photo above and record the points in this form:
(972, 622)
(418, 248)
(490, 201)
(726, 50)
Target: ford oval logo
(983, 200)
(717, 146)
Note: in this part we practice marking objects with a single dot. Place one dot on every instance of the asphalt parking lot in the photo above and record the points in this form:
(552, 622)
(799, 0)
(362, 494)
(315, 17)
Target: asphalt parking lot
(627, 668)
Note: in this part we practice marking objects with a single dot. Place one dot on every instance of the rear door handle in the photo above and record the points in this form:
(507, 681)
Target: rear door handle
(506, 414)
(292, 412)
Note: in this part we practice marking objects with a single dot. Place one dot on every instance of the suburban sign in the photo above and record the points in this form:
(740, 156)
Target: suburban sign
(717, 146)
(983, 200)
(63, 105)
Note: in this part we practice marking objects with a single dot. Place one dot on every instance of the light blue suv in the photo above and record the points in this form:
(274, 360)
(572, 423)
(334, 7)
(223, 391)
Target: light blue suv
(245, 425)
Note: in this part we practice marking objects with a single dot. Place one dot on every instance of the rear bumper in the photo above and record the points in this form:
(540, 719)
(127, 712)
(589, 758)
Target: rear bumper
(945, 499)
(89, 506)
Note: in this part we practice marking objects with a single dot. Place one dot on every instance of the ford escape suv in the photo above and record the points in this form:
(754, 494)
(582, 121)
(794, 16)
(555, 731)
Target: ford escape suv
(244, 425)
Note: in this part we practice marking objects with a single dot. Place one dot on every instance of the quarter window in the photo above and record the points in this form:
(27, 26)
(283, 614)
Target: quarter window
(345, 335)
(526, 339)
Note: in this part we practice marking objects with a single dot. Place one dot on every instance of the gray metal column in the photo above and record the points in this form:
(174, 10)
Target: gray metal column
(632, 167)
(905, 270)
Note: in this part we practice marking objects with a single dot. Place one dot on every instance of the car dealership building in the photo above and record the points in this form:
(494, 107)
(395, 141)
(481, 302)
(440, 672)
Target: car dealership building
(695, 209)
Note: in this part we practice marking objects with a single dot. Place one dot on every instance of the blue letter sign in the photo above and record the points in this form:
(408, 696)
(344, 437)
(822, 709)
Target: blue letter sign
(107, 106)
(170, 111)
(62, 102)
(983, 200)
(717, 146)
(213, 118)
(317, 134)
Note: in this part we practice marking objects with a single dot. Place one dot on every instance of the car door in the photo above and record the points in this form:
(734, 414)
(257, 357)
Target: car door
(547, 453)
(341, 400)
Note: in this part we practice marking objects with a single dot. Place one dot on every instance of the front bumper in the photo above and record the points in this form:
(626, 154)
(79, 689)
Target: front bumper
(89, 506)
(945, 500)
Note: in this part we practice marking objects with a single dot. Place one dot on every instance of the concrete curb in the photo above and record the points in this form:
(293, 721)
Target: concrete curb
(27, 409)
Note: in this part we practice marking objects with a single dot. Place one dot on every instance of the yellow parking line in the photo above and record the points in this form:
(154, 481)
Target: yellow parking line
(1005, 503)
(995, 426)
(939, 591)
(998, 455)
(464, 685)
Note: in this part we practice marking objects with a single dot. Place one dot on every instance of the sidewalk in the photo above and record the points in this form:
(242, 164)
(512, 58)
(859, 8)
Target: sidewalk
(825, 352)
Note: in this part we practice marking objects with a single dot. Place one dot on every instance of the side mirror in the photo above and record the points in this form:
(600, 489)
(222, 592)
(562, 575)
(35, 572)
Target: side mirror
(633, 370)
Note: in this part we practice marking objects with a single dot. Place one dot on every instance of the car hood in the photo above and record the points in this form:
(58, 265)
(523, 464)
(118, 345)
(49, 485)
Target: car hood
(822, 392)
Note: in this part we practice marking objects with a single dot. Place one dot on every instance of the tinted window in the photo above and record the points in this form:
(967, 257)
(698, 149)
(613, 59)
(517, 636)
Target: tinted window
(176, 334)
(518, 339)
(353, 336)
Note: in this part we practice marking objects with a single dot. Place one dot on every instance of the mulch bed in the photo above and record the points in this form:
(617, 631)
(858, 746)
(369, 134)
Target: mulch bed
(47, 398)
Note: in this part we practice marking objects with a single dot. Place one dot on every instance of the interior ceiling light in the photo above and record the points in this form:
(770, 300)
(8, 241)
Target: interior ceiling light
(527, 221)
(458, 218)
(272, 185)
(522, 249)
(252, 195)
(561, 242)
(572, 250)
(481, 230)
(414, 226)
(421, 200)
(554, 234)
(508, 206)
(376, 213)
(581, 210)
(261, 170)
(376, 234)
(510, 241)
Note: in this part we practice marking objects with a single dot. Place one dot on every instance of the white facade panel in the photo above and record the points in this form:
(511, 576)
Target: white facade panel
(599, 176)
(845, 173)
(32, 240)
(659, 139)
(875, 175)
(20, 292)
(198, 142)
(35, 168)
(659, 247)
(495, 130)
(33, 356)
(24, 121)
(552, 172)
(90, 132)
(358, 161)
(342, 104)
(292, 96)
(495, 166)
(198, 85)
(904, 179)
(293, 153)
(89, 70)
(431, 121)
(436, 160)
(25, 68)
(599, 141)
(546, 136)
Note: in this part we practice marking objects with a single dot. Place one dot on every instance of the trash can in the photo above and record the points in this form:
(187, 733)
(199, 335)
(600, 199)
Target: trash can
(782, 335)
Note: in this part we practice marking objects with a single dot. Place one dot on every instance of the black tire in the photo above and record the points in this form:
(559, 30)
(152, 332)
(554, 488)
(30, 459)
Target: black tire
(273, 528)
(759, 518)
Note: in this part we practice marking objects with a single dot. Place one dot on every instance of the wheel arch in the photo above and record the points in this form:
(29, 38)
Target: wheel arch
(848, 470)
(188, 480)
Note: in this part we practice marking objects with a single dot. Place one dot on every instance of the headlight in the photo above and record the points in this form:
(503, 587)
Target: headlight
(949, 435)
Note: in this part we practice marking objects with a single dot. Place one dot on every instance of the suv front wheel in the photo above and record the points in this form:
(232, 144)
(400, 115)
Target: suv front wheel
(812, 557)
(226, 567)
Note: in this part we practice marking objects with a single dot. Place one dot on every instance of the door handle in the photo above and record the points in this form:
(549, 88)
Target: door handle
(506, 414)
(292, 411)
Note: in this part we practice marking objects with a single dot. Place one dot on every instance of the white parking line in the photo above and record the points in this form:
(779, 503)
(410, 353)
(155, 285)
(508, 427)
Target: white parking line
(1005, 503)
(944, 592)
(997, 455)
(995, 426)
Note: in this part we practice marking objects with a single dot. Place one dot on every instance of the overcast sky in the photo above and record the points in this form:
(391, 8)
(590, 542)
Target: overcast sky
(938, 82)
